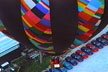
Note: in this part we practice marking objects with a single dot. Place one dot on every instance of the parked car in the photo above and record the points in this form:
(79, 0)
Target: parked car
(82, 54)
(67, 65)
(55, 62)
(71, 60)
(107, 33)
(54, 70)
(102, 40)
(97, 44)
(105, 36)
(63, 69)
(92, 47)
(87, 50)
(77, 57)
(72, 46)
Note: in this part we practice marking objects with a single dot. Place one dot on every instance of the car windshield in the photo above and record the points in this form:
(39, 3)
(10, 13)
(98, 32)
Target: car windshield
(77, 56)
(68, 58)
(92, 47)
(83, 54)
(98, 44)
(73, 60)
(87, 50)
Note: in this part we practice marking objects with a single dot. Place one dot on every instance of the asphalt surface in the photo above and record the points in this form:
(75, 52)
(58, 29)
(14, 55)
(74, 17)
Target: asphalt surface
(98, 62)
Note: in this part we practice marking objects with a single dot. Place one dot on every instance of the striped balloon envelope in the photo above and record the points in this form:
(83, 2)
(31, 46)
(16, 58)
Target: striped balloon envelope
(37, 21)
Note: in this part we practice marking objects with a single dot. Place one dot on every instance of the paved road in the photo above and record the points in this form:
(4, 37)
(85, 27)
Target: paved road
(95, 63)
(98, 62)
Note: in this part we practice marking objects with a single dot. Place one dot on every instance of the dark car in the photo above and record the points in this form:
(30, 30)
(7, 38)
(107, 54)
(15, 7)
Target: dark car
(87, 50)
(97, 44)
(77, 57)
(107, 33)
(92, 47)
(82, 54)
(71, 60)
(102, 40)
(105, 36)
(67, 65)
(54, 70)
(63, 69)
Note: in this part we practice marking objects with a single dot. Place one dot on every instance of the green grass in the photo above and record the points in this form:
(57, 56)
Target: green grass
(1, 26)
(32, 66)
(19, 61)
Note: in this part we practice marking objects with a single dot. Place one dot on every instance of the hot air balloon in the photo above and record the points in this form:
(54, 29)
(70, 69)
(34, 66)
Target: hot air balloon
(53, 25)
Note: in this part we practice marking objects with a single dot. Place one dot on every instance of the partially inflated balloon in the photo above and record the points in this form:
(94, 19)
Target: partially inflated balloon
(37, 22)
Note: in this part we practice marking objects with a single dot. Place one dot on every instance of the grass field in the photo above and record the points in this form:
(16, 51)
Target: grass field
(32, 66)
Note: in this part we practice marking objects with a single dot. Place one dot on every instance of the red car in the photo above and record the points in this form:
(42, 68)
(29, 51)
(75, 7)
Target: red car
(55, 62)
(92, 47)
(82, 54)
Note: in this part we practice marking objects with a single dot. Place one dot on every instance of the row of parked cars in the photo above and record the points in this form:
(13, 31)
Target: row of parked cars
(82, 54)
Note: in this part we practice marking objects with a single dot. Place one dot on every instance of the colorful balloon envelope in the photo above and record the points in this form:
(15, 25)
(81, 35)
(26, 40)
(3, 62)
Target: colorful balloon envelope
(36, 16)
